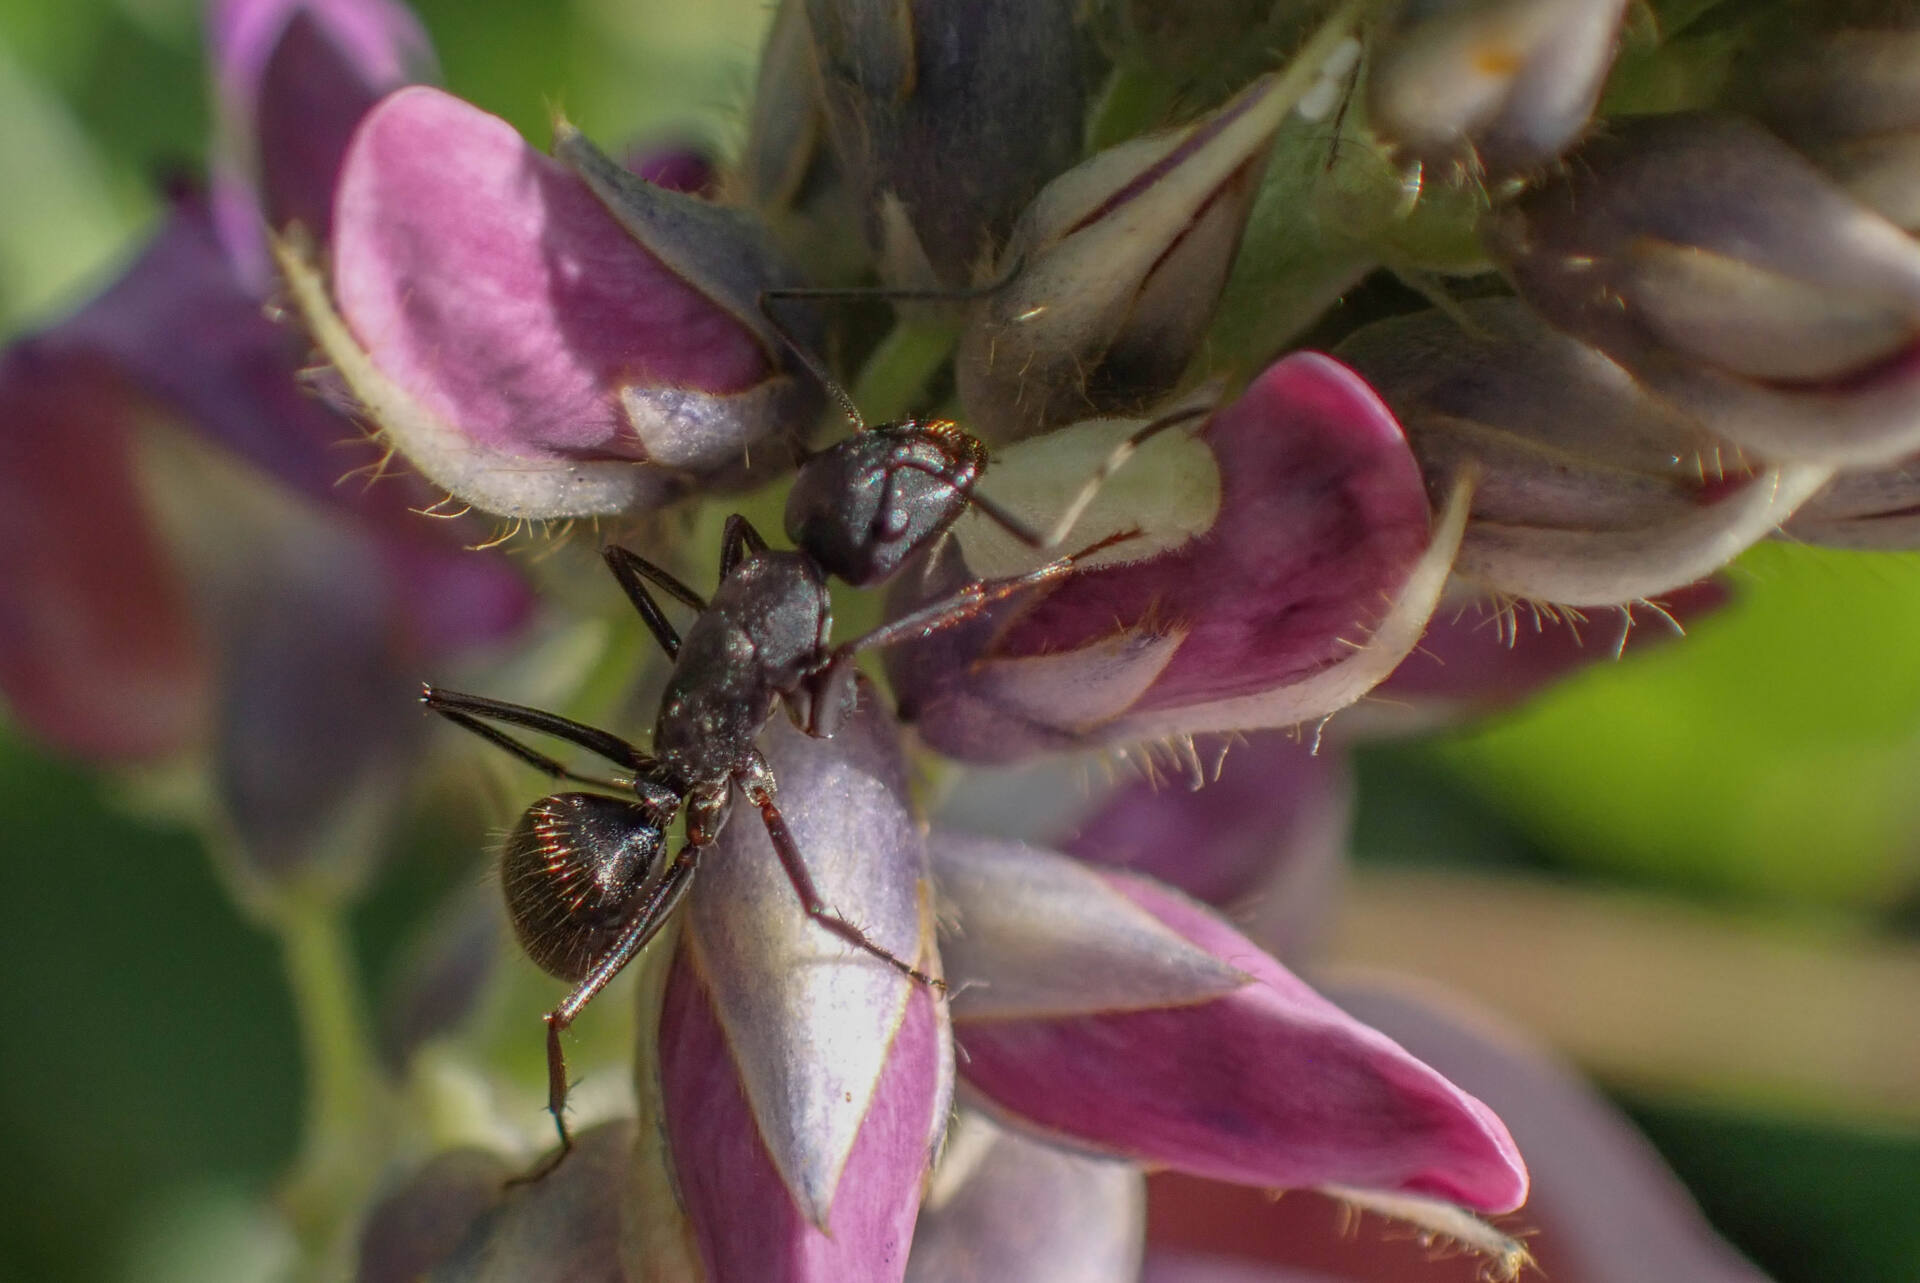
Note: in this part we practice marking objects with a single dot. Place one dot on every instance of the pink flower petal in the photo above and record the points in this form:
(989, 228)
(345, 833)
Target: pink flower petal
(1270, 1085)
(1323, 514)
(1608, 1209)
(490, 284)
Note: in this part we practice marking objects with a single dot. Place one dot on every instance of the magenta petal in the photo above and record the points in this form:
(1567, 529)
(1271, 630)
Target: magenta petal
(1269, 1085)
(99, 654)
(1323, 513)
(746, 1224)
(1607, 1207)
(488, 282)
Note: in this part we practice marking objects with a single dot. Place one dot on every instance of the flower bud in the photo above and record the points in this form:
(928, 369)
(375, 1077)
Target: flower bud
(1851, 99)
(1303, 582)
(544, 340)
(803, 1083)
(292, 78)
(1497, 86)
(1119, 264)
(1735, 281)
(1589, 491)
(948, 116)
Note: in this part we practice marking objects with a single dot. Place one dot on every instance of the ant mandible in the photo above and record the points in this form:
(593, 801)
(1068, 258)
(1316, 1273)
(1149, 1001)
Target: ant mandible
(585, 886)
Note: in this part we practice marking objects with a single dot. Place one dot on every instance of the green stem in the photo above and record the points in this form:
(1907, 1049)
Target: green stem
(896, 374)
(347, 1110)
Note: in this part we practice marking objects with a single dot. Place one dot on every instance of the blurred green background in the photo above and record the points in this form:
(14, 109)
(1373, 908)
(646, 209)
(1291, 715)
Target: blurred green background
(1763, 771)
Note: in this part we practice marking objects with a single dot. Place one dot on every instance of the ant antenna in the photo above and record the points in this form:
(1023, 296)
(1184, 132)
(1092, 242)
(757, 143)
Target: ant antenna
(889, 293)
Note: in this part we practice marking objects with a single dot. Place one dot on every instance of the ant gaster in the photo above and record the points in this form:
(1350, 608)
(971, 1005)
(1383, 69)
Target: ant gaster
(585, 884)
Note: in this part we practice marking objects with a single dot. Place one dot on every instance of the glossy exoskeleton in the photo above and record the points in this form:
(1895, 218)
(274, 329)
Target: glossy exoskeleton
(584, 876)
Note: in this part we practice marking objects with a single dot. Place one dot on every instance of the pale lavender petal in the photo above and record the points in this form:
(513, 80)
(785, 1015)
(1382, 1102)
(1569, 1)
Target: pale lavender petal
(1322, 516)
(1265, 837)
(539, 349)
(1270, 1085)
(1005, 1209)
(1608, 1209)
(1035, 935)
(1732, 277)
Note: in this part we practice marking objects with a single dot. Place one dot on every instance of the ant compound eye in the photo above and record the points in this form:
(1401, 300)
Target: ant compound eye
(573, 871)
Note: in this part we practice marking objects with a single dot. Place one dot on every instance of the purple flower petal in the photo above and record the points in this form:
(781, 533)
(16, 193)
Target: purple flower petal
(1260, 621)
(1270, 1084)
(1005, 1209)
(1265, 838)
(99, 653)
(520, 347)
(1477, 657)
(1608, 1209)
(292, 78)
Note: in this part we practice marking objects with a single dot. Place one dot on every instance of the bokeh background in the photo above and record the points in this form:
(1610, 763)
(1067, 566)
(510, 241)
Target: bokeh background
(1696, 871)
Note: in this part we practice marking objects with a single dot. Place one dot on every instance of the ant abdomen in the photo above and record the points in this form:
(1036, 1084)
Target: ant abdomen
(572, 871)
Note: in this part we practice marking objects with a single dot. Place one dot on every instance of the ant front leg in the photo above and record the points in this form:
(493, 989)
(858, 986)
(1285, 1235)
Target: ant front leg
(646, 923)
(758, 784)
(967, 602)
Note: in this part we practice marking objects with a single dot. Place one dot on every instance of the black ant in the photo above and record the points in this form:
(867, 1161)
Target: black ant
(582, 872)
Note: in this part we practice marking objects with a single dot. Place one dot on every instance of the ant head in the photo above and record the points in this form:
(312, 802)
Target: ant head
(863, 507)
(571, 870)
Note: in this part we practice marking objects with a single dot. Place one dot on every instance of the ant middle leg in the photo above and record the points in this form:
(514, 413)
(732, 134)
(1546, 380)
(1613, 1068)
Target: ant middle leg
(757, 784)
